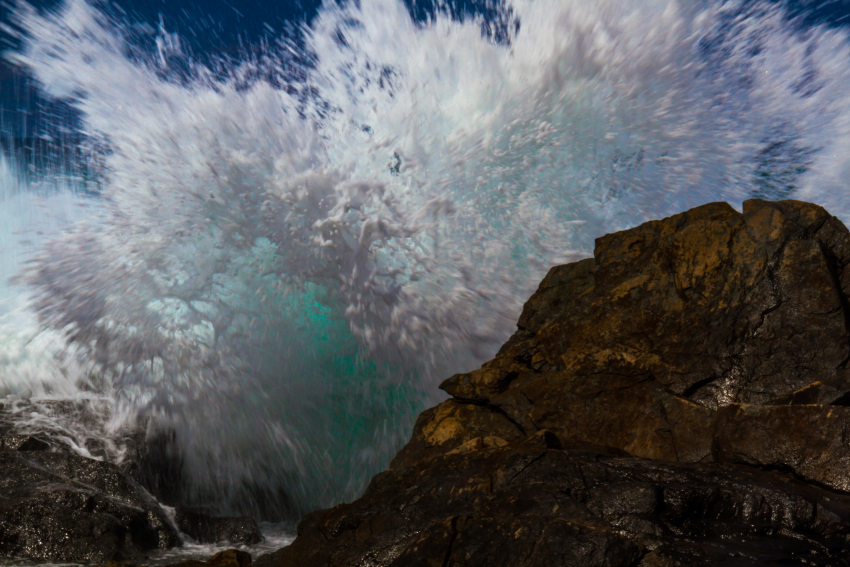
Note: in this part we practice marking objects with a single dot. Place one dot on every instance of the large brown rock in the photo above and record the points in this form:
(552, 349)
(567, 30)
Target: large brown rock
(523, 504)
(677, 399)
(639, 347)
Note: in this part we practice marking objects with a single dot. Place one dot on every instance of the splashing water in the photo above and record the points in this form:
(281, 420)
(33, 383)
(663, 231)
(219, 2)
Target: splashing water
(282, 261)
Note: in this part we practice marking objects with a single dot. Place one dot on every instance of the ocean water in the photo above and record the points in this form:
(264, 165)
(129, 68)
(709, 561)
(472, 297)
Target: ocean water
(272, 254)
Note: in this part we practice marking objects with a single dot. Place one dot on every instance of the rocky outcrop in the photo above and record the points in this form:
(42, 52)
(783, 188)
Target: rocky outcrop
(59, 506)
(56, 505)
(679, 399)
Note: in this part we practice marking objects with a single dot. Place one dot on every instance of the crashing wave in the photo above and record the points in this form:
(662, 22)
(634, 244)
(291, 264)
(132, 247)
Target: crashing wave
(284, 261)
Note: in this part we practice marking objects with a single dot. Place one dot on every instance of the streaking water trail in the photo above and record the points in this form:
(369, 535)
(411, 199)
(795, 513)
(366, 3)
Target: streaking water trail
(281, 270)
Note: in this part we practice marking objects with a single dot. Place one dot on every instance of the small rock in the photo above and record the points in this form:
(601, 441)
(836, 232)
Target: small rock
(208, 529)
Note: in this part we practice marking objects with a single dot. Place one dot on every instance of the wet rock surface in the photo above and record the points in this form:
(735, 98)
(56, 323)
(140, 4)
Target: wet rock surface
(59, 506)
(679, 399)
(526, 504)
(228, 558)
(206, 528)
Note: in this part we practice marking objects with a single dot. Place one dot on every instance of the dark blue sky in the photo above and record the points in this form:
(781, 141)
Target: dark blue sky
(229, 28)
(208, 28)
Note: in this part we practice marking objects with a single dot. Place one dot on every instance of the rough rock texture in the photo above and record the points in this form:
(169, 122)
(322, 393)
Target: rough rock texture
(59, 506)
(205, 528)
(679, 399)
(526, 504)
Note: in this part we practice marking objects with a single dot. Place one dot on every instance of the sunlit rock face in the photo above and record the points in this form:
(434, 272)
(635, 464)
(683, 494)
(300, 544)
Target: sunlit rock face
(673, 320)
(677, 397)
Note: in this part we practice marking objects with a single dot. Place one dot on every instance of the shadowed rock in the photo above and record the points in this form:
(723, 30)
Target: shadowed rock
(23, 443)
(204, 528)
(228, 558)
(159, 466)
(58, 506)
(680, 398)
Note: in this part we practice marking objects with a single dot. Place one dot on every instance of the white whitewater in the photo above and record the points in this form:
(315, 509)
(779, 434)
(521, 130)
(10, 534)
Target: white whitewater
(283, 276)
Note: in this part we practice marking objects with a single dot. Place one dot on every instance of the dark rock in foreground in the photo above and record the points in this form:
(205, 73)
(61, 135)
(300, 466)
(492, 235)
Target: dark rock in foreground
(228, 558)
(58, 506)
(205, 528)
(680, 399)
(526, 504)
